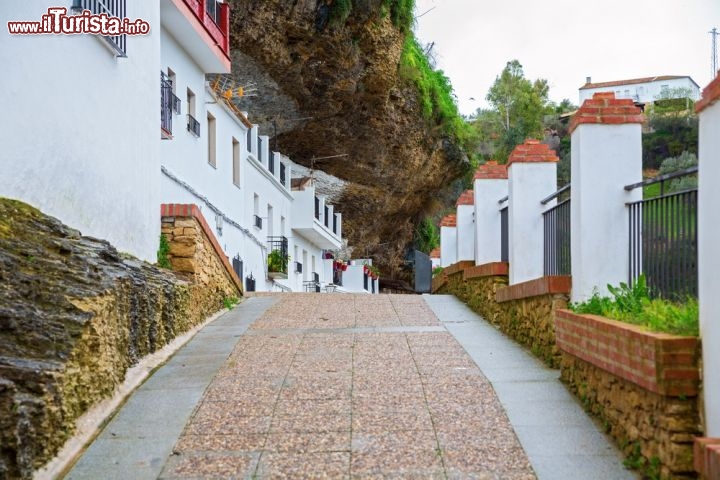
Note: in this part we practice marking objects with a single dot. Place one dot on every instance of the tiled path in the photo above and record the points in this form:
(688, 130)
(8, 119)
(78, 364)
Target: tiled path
(319, 386)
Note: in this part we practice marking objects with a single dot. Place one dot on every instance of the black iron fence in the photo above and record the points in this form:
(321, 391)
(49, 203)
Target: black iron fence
(193, 125)
(663, 237)
(166, 103)
(504, 235)
(556, 235)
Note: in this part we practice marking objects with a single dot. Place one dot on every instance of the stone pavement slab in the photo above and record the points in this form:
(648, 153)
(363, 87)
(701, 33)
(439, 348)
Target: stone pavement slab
(138, 440)
(350, 386)
(560, 439)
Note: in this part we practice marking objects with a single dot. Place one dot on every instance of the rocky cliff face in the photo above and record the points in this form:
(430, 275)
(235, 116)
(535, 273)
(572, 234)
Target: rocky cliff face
(334, 90)
(74, 315)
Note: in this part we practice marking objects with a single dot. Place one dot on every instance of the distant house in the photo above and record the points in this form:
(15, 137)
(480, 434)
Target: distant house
(643, 90)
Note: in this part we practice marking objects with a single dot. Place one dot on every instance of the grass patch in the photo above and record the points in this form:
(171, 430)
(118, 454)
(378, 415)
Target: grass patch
(634, 305)
(162, 254)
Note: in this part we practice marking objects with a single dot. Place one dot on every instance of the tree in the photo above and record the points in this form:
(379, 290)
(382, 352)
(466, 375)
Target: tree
(520, 105)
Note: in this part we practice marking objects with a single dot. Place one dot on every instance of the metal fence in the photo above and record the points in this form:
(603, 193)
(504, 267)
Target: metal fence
(504, 235)
(556, 235)
(663, 238)
(165, 103)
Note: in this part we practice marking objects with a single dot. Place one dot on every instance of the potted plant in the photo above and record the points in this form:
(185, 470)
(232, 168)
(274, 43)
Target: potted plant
(277, 264)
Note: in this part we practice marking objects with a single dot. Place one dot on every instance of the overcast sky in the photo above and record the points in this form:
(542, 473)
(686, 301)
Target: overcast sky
(565, 41)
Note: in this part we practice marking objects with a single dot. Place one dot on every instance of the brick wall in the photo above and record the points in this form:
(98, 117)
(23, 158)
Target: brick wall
(642, 385)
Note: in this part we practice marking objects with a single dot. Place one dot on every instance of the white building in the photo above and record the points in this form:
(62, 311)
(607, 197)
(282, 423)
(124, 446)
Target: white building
(83, 143)
(80, 132)
(643, 90)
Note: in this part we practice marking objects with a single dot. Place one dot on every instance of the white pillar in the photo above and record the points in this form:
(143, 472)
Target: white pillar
(490, 186)
(465, 226)
(709, 252)
(606, 155)
(532, 176)
(448, 240)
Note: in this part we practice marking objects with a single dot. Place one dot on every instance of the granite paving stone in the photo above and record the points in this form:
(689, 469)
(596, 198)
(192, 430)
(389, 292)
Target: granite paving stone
(347, 386)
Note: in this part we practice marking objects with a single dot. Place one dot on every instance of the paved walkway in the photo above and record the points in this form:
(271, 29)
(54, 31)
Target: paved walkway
(350, 386)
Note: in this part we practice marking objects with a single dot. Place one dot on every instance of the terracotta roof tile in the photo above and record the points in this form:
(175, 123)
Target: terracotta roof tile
(532, 151)
(604, 108)
(632, 81)
(435, 253)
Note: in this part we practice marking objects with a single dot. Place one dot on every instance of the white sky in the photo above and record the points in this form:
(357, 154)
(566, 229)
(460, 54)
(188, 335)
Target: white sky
(565, 41)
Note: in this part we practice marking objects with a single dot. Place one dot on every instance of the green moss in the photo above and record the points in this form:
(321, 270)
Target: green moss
(340, 11)
(162, 254)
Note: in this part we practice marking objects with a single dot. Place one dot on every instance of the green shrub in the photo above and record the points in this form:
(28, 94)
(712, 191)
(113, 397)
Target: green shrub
(230, 302)
(634, 305)
(437, 270)
(340, 11)
(162, 254)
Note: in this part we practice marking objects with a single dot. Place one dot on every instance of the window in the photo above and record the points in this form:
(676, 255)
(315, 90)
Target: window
(282, 226)
(236, 161)
(270, 220)
(256, 210)
(305, 270)
(193, 125)
(174, 99)
(112, 8)
(212, 160)
(165, 106)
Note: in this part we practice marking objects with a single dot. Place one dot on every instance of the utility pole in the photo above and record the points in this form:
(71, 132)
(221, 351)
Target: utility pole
(713, 56)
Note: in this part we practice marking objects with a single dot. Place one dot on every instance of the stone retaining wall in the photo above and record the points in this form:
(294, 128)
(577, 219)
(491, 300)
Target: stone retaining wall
(524, 312)
(75, 314)
(643, 386)
(194, 251)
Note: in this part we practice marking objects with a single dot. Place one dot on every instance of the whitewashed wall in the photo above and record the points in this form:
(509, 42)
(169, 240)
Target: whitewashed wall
(80, 128)
(487, 219)
(448, 246)
(709, 262)
(465, 232)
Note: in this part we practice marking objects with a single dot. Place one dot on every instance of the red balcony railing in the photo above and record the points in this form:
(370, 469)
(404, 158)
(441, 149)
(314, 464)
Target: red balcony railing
(215, 17)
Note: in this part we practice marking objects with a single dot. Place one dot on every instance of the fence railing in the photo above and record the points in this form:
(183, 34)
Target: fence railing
(663, 238)
(504, 235)
(556, 234)
(556, 239)
(165, 103)
(111, 8)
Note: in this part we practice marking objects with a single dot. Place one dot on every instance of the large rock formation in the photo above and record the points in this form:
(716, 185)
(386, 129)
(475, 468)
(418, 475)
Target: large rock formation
(74, 315)
(336, 89)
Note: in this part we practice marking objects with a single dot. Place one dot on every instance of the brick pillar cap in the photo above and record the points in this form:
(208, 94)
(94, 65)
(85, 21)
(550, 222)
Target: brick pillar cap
(532, 151)
(710, 95)
(491, 170)
(449, 221)
(605, 109)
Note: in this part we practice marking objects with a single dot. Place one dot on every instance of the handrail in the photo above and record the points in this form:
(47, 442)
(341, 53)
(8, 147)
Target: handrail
(560, 191)
(662, 178)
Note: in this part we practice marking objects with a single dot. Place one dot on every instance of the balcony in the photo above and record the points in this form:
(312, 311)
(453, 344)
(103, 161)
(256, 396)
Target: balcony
(202, 27)
(314, 220)
(278, 257)
(165, 106)
(193, 125)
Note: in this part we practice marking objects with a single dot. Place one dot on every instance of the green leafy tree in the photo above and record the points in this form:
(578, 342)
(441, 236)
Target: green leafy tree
(520, 105)
(427, 236)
